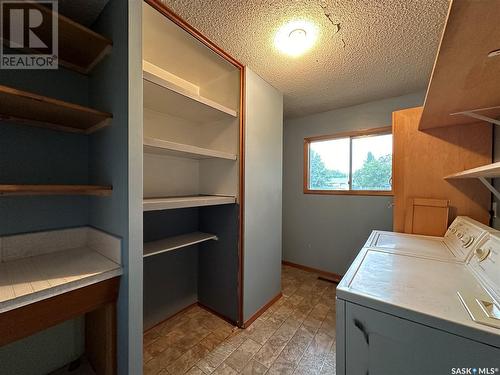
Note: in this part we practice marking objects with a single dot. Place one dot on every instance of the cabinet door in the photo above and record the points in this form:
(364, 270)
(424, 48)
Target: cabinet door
(382, 344)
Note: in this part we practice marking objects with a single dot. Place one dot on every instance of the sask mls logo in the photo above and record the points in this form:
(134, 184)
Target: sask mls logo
(29, 34)
(475, 370)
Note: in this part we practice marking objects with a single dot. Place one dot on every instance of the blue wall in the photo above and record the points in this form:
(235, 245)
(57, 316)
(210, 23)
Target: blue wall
(326, 231)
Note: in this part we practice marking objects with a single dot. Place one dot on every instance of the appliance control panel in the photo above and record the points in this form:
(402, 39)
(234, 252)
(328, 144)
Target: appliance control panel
(464, 234)
(485, 263)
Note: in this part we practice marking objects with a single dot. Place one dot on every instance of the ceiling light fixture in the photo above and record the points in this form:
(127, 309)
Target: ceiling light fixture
(296, 37)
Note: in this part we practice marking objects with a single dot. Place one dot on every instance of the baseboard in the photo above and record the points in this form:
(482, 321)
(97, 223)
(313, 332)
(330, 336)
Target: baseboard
(232, 322)
(262, 310)
(330, 275)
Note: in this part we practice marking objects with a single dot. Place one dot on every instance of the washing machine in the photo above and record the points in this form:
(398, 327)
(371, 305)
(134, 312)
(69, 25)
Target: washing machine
(457, 245)
(398, 313)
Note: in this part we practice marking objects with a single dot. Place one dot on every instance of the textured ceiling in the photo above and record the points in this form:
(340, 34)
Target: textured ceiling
(366, 49)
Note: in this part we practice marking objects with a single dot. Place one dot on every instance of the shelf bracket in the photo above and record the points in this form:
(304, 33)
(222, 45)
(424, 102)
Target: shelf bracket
(477, 116)
(490, 187)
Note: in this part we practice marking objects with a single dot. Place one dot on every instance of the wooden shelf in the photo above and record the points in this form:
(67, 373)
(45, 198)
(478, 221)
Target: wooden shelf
(55, 190)
(177, 242)
(80, 48)
(168, 203)
(159, 146)
(167, 93)
(485, 171)
(465, 80)
(37, 110)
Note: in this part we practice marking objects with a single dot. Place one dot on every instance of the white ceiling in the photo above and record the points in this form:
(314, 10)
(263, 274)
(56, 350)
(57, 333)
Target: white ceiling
(366, 49)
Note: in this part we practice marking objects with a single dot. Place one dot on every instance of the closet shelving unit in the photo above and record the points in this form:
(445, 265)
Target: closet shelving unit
(192, 120)
(28, 108)
(466, 75)
(80, 49)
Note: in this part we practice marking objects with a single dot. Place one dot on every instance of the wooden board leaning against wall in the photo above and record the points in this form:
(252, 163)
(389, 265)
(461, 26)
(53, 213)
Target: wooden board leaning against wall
(423, 158)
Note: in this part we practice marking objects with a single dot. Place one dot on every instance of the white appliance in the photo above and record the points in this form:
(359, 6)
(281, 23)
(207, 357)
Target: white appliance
(400, 313)
(459, 242)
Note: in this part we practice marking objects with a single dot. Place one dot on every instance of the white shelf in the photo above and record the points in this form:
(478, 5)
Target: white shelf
(167, 93)
(154, 204)
(176, 242)
(159, 146)
(481, 173)
(485, 171)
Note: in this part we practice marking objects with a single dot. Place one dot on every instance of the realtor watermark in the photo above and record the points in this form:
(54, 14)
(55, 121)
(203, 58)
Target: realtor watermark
(29, 32)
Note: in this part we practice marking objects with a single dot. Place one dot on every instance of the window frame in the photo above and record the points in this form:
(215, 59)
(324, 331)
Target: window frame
(352, 134)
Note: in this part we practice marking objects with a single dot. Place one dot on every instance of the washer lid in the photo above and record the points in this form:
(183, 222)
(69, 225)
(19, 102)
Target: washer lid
(418, 289)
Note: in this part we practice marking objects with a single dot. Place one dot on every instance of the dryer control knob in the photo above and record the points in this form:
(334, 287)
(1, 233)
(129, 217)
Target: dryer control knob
(470, 240)
(482, 254)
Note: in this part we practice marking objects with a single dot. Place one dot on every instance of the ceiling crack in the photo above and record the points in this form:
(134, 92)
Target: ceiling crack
(329, 17)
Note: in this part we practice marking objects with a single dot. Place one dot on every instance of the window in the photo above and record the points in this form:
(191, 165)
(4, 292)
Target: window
(349, 163)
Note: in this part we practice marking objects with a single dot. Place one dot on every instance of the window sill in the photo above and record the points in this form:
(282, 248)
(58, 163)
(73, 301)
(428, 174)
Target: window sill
(350, 192)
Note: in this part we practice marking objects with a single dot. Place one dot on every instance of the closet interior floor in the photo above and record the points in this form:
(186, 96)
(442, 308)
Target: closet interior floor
(296, 335)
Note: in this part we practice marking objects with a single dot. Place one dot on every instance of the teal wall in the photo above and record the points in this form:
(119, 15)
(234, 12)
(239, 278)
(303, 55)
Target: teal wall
(36, 155)
(326, 231)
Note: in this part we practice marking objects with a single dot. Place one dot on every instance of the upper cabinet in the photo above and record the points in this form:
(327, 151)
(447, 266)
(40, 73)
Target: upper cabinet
(465, 82)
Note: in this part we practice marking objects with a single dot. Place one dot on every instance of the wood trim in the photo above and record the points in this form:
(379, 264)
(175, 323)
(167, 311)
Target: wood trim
(100, 339)
(353, 134)
(305, 172)
(351, 192)
(211, 311)
(30, 190)
(175, 18)
(241, 250)
(262, 310)
(331, 275)
(27, 320)
(350, 134)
